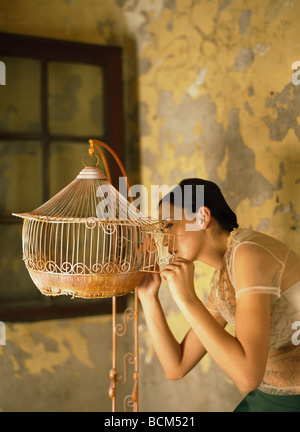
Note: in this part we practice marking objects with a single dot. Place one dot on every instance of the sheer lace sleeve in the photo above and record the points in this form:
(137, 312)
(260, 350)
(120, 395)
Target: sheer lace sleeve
(258, 290)
(256, 270)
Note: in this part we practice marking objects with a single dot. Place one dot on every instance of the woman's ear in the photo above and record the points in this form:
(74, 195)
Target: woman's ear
(203, 216)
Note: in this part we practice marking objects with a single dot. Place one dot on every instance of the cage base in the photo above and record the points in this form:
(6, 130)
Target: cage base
(88, 286)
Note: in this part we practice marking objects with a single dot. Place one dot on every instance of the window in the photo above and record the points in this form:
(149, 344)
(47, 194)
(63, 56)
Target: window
(57, 96)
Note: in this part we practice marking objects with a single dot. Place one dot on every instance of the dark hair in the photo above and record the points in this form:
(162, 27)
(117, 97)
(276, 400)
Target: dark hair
(213, 199)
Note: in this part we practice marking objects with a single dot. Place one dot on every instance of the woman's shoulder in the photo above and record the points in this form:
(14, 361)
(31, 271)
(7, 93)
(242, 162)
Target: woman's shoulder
(251, 237)
(255, 253)
(247, 243)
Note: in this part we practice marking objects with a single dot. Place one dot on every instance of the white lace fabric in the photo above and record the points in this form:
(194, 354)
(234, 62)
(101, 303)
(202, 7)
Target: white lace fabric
(282, 374)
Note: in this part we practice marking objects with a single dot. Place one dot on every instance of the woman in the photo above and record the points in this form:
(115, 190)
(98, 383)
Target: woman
(256, 287)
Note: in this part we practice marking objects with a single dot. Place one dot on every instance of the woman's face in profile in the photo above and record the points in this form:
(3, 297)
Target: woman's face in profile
(185, 234)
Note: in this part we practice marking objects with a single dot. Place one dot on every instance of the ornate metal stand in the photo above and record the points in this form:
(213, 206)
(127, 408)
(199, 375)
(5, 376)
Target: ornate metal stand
(120, 330)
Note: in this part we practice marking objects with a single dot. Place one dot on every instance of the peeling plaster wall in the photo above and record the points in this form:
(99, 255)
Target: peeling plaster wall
(207, 93)
(59, 366)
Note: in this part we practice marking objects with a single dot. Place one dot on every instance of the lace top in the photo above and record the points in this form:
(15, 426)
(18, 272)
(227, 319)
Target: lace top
(282, 374)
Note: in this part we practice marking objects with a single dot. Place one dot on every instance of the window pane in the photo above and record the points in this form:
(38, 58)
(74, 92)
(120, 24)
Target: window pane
(75, 99)
(66, 163)
(20, 176)
(20, 108)
(15, 282)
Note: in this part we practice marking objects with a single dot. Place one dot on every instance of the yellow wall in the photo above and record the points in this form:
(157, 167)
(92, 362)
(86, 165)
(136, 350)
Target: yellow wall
(207, 93)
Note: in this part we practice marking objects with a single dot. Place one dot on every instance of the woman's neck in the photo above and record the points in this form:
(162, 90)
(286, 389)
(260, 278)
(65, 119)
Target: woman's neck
(214, 247)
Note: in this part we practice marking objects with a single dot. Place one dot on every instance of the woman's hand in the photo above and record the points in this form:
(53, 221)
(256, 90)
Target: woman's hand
(180, 277)
(149, 286)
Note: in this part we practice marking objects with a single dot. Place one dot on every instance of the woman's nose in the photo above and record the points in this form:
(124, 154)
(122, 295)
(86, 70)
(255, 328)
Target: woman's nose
(169, 242)
(166, 240)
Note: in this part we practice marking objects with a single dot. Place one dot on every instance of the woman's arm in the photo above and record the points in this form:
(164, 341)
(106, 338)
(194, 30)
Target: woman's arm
(177, 359)
(243, 356)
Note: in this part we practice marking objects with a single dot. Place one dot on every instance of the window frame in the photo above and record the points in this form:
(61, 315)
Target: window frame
(110, 59)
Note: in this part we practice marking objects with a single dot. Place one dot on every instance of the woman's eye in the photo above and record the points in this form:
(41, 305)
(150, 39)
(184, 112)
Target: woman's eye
(169, 225)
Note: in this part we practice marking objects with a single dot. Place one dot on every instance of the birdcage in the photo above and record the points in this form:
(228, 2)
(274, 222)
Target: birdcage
(89, 241)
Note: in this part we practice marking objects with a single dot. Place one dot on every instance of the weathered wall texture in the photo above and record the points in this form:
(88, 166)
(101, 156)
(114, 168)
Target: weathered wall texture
(58, 365)
(208, 93)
